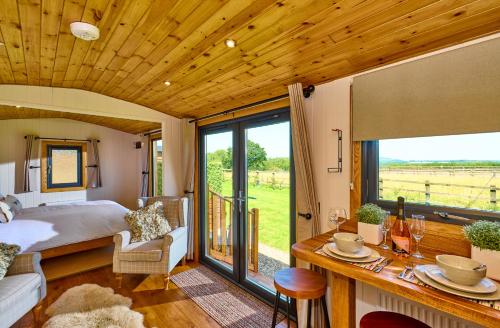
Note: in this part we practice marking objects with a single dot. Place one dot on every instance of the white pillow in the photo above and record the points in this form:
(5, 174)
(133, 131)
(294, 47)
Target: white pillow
(14, 204)
(6, 214)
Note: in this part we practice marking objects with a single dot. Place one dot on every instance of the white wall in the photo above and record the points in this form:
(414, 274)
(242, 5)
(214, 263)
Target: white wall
(119, 160)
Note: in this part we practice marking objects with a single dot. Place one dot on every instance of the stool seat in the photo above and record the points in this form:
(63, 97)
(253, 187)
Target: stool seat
(300, 283)
(387, 319)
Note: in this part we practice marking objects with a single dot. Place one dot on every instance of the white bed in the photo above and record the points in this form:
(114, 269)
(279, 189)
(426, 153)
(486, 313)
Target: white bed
(49, 227)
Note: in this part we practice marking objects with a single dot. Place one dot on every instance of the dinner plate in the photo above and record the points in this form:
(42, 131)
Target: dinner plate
(485, 286)
(363, 252)
(420, 274)
(372, 257)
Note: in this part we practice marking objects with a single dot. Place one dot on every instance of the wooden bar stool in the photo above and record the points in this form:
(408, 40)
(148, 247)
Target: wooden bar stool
(389, 320)
(299, 284)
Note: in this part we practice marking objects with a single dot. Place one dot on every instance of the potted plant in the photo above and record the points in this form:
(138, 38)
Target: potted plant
(484, 237)
(370, 218)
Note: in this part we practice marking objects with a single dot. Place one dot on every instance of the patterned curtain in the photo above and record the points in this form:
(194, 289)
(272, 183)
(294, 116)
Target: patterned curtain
(94, 169)
(146, 188)
(307, 199)
(31, 164)
(189, 131)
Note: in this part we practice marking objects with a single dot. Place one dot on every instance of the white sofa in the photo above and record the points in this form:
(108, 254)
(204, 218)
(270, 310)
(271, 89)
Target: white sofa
(22, 289)
(156, 256)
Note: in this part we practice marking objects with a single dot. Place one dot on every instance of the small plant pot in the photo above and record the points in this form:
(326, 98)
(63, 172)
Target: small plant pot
(372, 233)
(490, 258)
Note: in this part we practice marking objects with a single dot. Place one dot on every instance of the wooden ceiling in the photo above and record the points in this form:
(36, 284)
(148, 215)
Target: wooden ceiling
(129, 126)
(144, 43)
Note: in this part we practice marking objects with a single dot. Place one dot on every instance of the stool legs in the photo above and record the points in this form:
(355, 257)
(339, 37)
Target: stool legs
(288, 312)
(309, 309)
(325, 311)
(276, 305)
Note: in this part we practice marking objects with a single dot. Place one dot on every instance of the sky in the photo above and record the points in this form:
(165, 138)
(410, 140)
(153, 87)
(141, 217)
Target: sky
(483, 146)
(275, 139)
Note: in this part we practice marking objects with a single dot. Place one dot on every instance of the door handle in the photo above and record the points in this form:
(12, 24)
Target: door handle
(240, 200)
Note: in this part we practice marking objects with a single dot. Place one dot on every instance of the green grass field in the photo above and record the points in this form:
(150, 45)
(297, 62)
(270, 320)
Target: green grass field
(274, 209)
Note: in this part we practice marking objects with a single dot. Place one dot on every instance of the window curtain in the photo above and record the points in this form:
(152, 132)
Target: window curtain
(146, 188)
(31, 164)
(94, 169)
(307, 199)
(189, 131)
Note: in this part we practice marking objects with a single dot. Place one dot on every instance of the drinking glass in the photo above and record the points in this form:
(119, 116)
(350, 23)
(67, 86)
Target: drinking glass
(386, 226)
(337, 216)
(417, 228)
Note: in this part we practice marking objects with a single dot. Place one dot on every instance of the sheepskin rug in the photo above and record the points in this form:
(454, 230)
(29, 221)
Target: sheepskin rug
(112, 317)
(92, 306)
(86, 297)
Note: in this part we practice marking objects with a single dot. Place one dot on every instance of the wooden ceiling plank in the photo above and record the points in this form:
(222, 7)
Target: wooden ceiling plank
(6, 76)
(92, 14)
(50, 22)
(29, 15)
(12, 36)
(72, 12)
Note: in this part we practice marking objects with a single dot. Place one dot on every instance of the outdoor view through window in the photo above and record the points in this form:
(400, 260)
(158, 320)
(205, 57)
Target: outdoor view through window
(457, 171)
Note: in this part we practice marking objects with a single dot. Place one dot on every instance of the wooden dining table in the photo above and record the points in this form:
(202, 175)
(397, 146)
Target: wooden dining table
(344, 276)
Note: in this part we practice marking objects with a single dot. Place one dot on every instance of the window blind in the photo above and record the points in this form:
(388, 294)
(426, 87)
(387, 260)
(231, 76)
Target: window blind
(455, 92)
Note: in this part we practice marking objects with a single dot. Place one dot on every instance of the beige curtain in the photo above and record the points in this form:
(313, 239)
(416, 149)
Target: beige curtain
(94, 169)
(31, 164)
(146, 188)
(189, 131)
(307, 199)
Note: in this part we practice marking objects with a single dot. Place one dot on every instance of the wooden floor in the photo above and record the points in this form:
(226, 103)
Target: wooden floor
(160, 308)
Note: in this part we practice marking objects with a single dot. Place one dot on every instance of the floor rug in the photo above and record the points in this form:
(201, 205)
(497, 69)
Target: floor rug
(226, 303)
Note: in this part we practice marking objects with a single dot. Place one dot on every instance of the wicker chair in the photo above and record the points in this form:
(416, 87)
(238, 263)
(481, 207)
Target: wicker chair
(156, 256)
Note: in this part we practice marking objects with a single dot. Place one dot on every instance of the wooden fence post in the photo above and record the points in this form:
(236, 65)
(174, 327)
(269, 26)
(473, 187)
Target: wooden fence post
(255, 239)
(381, 188)
(427, 192)
(493, 195)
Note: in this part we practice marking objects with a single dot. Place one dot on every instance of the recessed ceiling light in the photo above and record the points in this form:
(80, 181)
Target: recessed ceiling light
(167, 83)
(230, 43)
(17, 106)
(84, 31)
(1, 44)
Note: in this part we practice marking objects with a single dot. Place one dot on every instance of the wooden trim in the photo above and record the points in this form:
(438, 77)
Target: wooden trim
(196, 197)
(44, 177)
(76, 247)
(439, 237)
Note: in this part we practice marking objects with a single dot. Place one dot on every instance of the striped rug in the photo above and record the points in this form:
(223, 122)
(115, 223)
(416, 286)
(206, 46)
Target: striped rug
(226, 303)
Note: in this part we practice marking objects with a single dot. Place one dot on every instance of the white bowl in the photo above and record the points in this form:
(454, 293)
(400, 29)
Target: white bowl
(460, 269)
(348, 242)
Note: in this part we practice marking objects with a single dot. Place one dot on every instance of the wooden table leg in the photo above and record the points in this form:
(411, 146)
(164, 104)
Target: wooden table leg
(343, 304)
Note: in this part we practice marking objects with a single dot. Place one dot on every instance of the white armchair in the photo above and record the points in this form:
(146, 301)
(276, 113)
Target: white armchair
(156, 256)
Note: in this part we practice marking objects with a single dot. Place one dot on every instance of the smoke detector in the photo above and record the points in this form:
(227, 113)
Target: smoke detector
(84, 31)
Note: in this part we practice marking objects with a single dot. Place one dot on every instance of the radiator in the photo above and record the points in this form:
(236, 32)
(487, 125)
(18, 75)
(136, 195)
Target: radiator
(372, 299)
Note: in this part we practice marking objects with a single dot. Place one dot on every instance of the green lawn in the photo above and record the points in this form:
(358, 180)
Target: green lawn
(274, 209)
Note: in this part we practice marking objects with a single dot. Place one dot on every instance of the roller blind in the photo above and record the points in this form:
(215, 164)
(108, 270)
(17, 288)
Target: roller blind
(456, 92)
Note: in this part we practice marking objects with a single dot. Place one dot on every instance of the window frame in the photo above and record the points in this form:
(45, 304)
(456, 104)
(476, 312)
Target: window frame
(46, 174)
(152, 139)
(369, 193)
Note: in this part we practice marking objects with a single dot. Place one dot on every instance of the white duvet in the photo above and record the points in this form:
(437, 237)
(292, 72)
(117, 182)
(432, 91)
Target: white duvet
(40, 228)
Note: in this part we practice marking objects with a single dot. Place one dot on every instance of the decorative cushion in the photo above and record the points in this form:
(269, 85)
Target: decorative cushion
(7, 255)
(145, 251)
(147, 223)
(14, 204)
(6, 214)
(171, 209)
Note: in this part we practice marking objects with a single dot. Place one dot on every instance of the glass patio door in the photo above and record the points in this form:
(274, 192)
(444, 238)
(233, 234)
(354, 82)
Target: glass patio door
(246, 199)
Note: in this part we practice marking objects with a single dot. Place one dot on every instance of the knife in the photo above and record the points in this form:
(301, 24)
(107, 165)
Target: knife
(382, 265)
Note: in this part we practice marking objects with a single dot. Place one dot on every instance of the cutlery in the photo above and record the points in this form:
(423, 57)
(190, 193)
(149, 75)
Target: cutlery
(382, 265)
(480, 267)
(403, 273)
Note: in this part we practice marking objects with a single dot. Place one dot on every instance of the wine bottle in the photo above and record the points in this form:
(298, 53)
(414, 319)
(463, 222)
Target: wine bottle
(400, 232)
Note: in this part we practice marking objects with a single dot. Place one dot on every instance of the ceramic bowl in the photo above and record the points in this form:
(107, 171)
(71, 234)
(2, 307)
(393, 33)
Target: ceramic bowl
(460, 269)
(348, 242)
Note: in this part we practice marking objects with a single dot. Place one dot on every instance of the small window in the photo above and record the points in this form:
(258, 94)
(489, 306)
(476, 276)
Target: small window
(458, 175)
(63, 166)
(157, 166)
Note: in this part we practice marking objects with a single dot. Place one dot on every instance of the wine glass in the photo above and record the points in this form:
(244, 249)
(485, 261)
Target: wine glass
(337, 216)
(386, 226)
(417, 228)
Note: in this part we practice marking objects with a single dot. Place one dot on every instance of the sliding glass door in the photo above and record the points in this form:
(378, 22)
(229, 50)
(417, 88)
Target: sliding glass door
(246, 199)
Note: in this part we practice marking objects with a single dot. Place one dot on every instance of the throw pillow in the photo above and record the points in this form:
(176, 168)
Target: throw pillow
(7, 255)
(6, 214)
(148, 223)
(14, 203)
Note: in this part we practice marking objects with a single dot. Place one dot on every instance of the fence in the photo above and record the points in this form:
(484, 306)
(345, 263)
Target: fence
(220, 231)
(427, 185)
(274, 179)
